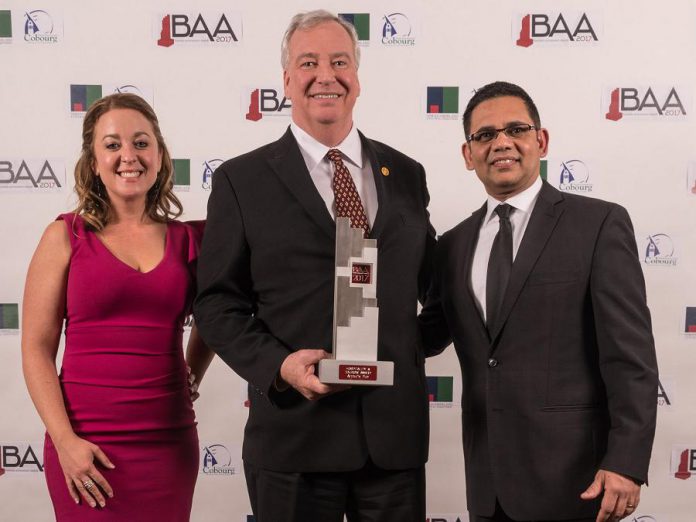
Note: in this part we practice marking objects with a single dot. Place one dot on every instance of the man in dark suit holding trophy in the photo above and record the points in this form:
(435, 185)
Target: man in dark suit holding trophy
(315, 451)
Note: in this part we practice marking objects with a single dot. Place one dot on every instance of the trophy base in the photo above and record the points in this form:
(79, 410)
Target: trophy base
(356, 373)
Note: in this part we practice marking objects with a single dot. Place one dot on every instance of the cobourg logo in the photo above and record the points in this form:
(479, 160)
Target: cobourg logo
(574, 176)
(659, 250)
(217, 460)
(209, 168)
(397, 30)
(646, 102)
(219, 28)
(267, 101)
(570, 28)
(39, 27)
(32, 174)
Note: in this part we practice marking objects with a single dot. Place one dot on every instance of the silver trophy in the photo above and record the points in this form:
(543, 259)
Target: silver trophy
(355, 324)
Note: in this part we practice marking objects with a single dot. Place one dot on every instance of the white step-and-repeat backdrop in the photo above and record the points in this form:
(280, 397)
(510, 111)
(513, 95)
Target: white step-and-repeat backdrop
(615, 84)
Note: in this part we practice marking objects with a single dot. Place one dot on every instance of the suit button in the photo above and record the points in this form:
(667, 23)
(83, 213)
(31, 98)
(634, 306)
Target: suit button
(492, 363)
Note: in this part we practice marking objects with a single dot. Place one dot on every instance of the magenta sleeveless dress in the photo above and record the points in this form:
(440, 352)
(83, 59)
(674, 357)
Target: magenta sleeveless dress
(124, 378)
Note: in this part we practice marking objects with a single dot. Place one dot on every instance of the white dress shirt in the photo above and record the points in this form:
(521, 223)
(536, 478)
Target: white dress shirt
(522, 204)
(321, 169)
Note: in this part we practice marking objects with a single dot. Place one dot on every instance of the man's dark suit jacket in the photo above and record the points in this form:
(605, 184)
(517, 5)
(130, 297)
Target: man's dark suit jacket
(266, 283)
(566, 383)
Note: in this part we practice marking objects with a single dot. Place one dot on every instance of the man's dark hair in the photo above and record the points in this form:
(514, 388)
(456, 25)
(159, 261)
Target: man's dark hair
(497, 90)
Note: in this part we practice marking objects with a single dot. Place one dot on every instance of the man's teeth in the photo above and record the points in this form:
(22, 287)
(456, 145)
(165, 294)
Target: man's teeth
(325, 96)
(504, 161)
(129, 174)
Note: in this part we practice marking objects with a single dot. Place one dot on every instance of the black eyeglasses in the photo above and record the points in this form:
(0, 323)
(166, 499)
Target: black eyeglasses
(516, 131)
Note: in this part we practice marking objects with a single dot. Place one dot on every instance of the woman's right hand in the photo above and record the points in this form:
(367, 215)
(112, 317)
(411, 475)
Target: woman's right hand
(76, 457)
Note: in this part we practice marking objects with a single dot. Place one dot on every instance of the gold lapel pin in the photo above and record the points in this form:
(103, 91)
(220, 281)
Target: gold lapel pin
(385, 171)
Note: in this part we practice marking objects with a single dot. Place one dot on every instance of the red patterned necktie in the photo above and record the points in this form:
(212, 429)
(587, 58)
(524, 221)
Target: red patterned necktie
(346, 197)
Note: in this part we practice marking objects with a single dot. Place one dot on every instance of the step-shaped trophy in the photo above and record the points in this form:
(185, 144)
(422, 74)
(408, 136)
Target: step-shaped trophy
(355, 323)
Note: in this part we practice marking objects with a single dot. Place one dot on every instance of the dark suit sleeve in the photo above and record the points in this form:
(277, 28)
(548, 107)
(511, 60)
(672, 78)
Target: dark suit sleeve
(427, 266)
(224, 307)
(435, 332)
(627, 358)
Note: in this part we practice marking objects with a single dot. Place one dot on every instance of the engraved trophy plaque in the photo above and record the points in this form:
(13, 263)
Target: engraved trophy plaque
(356, 314)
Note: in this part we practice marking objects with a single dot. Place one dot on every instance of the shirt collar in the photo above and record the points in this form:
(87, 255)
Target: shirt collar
(522, 202)
(314, 151)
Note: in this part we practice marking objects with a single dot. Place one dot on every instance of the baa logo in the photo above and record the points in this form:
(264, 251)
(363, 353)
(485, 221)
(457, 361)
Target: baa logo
(683, 464)
(208, 28)
(259, 102)
(659, 250)
(557, 28)
(32, 174)
(217, 460)
(5, 26)
(397, 30)
(656, 103)
(664, 393)
(40, 28)
(574, 176)
(21, 456)
(209, 167)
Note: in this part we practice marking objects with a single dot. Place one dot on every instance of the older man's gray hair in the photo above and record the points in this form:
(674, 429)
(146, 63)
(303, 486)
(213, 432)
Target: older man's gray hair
(303, 21)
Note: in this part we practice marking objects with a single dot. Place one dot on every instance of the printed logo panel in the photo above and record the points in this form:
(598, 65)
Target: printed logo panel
(210, 28)
(641, 102)
(17, 457)
(219, 459)
(42, 27)
(397, 30)
(31, 174)
(361, 22)
(556, 28)
(259, 103)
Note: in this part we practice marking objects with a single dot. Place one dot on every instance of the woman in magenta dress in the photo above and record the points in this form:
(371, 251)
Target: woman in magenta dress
(121, 441)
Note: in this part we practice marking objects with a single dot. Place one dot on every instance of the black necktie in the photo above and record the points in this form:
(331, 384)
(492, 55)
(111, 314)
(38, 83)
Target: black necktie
(499, 266)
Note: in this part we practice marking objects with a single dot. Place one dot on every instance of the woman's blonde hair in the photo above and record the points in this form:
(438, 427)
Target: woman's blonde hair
(93, 201)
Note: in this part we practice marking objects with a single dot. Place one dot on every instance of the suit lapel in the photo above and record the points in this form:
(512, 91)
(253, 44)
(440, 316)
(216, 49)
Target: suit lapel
(381, 164)
(288, 164)
(545, 215)
(469, 246)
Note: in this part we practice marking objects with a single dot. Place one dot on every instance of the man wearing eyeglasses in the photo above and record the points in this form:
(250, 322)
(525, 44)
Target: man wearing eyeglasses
(543, 296)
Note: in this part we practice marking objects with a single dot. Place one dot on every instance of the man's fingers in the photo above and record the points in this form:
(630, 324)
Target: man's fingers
(311, 356)
(593, 490)
(608, 508)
